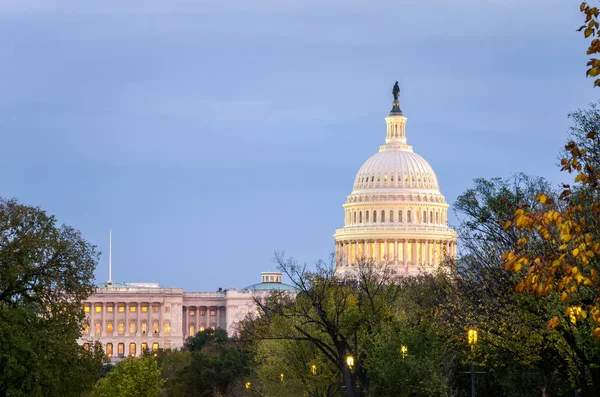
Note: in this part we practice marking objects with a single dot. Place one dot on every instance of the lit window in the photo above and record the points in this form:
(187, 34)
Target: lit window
(213, 313)
(155, 327)
(86, 309)
(201, 329)
(121, 308)
(121, 349)
(121, 328)
(144, 309)
(144, 328)
(167, 328)
(98, 309)
(155, 347)
(132, 349)
(167, 345)
(212, 327)
(109, 350)
(86, 346)
(385, 178)
(132, 309)
(109, 327)
(167, 309)
(192, 329)
(155, 309)
(202, 312)
(192, 312)
(109, 309)
(144, 346)
(86, 328)
(98, 328)
(244, 311)
(132, 328)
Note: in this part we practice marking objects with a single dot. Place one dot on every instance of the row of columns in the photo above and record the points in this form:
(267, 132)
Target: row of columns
(105, 317)
(404, 251)
(197, 309)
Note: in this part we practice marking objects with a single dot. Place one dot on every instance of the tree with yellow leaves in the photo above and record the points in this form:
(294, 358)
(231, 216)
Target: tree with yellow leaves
(559, 248)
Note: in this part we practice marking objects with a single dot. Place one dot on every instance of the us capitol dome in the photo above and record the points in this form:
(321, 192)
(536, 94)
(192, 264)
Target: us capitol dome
(396, 213)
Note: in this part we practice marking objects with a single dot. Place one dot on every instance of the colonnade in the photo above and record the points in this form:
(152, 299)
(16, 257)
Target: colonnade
(203, 317)
(397, 251)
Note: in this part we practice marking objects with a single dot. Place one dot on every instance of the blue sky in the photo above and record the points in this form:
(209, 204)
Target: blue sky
(207, 135)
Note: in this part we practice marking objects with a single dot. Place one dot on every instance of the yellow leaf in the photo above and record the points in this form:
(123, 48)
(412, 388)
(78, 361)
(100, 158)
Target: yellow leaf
(507, 224)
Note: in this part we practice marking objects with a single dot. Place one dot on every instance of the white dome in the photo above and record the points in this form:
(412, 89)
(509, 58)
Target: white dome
(398, 168)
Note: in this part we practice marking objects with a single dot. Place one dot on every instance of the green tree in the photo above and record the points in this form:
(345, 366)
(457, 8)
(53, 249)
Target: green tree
(339, 317)
(132, 377)
(46, 271)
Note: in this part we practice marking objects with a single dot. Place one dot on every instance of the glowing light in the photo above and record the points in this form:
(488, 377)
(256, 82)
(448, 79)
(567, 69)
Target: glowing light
(472, 337)
(313, 369)
(350, 361)
(248, 384)
(404, 351)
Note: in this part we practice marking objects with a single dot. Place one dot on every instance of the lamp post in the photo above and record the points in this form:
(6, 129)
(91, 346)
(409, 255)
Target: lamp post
(350, 361)
(403, 351)
(472, 339)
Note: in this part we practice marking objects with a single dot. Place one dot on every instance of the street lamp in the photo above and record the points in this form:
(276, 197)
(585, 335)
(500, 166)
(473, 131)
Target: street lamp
(281, 376)
(403, 351)
(472, 339)
(350, 361)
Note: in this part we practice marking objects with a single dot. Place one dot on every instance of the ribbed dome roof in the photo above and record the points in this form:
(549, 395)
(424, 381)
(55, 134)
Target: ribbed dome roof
(396, 169)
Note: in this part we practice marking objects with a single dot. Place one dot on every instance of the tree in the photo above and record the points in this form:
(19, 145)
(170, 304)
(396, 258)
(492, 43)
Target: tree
(337, 316)
(132, 377)
(210, 364)
(481, 293)
(46, 271)
(559, 249)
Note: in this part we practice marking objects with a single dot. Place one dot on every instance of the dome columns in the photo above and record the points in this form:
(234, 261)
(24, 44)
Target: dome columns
(397, 252)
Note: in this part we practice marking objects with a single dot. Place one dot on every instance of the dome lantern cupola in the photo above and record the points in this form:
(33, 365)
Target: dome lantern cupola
(396, 213)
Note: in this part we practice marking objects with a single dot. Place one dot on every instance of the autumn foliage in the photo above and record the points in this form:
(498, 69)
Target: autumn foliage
(568, 230)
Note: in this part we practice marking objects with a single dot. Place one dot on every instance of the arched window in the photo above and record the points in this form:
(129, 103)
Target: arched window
(437, 217)
(374, 216)
(360, 217)
(400, 216)
(382, 216)
(155, 347)
(396, 132)
(86, 346)
(430, 216)
(109, 350)
(408, 216)
(367, 216)
(354, 217)
(392, 178)
(121, 349)
(144, 346)
(132, 349)
(424, 216)
(391, 216)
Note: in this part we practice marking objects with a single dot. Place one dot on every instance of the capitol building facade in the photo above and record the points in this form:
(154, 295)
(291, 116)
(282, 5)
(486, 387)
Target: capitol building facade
(395, 215)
